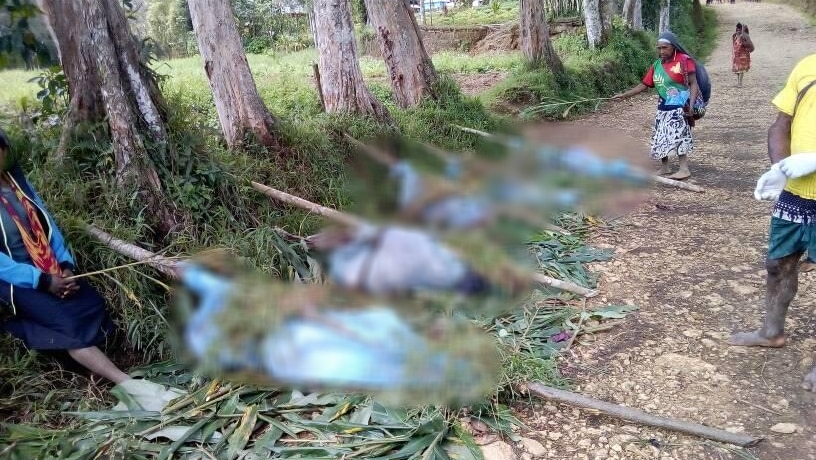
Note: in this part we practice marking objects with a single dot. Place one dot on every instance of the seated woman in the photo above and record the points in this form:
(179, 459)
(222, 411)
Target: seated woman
(51, 311)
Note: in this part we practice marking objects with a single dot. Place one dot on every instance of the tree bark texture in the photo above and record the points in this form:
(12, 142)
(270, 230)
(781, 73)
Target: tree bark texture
(594, 25)
(535, 36)
(665, 16)
(607, 11)
(632, 14)
(107, 80)
(80, 69)
(240, 108)
(409, 67)
(341, 80)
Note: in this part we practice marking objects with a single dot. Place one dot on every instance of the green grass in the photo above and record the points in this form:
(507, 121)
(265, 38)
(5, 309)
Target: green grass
(469, 16)
(16, 86)
(279, 77)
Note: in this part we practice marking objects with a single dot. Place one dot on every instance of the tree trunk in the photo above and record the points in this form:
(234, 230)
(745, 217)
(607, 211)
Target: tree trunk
(665, 15)
(631, 14)
(409, 67)
(112, 83)
(83, 85)
(240, 108)
(341, 80)
(594, 25)
(607, 12)
(535, 37)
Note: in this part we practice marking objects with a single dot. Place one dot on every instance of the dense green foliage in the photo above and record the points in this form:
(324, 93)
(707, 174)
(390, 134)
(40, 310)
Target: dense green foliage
(600, 73)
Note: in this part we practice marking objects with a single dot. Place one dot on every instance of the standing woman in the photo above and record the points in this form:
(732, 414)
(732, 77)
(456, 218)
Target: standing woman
(741, 54)
(673, 75)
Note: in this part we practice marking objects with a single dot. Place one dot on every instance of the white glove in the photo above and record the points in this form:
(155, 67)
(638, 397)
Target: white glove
(770, 185)
(798, 165)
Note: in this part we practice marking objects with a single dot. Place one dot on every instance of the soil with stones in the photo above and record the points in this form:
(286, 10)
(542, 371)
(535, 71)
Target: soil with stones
(693, 263)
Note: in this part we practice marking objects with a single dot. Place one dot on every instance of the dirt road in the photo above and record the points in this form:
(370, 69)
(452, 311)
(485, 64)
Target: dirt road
(694, 264)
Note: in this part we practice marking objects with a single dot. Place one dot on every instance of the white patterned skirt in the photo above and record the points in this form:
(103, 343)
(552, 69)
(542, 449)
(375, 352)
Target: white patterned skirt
(672, 134)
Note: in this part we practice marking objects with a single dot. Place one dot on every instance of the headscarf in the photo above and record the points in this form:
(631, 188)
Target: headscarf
(670, 38)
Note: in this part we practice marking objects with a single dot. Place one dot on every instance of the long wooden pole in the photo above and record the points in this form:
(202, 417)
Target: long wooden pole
(563, 285)
(635, 415)
(314, 208)
(163, 264)
(678, 184)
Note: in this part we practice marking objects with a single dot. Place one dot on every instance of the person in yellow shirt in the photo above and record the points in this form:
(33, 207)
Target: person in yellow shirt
(791, 181)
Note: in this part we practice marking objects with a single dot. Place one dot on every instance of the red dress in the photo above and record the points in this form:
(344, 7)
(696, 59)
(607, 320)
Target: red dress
(741, 56)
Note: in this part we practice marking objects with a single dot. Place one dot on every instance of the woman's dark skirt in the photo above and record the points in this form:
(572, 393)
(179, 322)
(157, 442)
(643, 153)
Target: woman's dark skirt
(46, 322)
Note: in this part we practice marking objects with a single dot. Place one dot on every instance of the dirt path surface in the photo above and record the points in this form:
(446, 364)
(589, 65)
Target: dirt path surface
(693, 263)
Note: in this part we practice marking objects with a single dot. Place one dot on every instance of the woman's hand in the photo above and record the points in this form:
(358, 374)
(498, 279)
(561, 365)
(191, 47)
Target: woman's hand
(62, 287)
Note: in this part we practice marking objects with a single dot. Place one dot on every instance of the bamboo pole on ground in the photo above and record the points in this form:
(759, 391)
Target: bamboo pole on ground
(163, 264)
(638, 416)
(313, 208)
(678, 184)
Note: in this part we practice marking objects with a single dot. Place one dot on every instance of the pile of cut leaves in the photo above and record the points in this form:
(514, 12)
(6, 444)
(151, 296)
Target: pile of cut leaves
(222, 420)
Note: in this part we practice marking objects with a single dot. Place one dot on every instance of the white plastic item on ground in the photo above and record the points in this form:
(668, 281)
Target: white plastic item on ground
(149, 395)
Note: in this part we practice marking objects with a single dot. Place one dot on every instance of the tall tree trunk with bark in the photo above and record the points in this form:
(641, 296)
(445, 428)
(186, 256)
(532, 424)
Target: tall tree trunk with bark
(108, 80)
(535, 37)
(627, 12)
(606, 8)
(341, 80)
(80, 69)
(240, 108)
(665, 16)
(594, 25)
(409, 67)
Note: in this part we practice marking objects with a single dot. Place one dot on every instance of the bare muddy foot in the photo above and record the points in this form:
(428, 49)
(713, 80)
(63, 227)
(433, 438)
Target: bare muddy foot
(753, 339)
(681, 175)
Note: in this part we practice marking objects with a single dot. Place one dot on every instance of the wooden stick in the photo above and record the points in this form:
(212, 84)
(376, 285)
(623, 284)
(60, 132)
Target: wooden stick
(163, 264)
(119, 267)
(678, 184)
(564, 285)
(316, 71)
(638, 416)
(474, 131)
(314, 208)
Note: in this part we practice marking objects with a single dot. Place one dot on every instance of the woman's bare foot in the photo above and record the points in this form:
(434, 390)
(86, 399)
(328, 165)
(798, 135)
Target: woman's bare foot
(807, 266)
(681, 174)
(754, 339)
(664, 171)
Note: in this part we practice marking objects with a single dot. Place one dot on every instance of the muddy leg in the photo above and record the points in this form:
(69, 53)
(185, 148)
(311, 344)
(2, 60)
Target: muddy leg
(739, 79)
(665, 168)
(683, 172)
(781, 286)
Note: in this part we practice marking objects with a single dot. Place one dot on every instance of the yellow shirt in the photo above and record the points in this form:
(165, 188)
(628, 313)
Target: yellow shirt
(803, 130)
